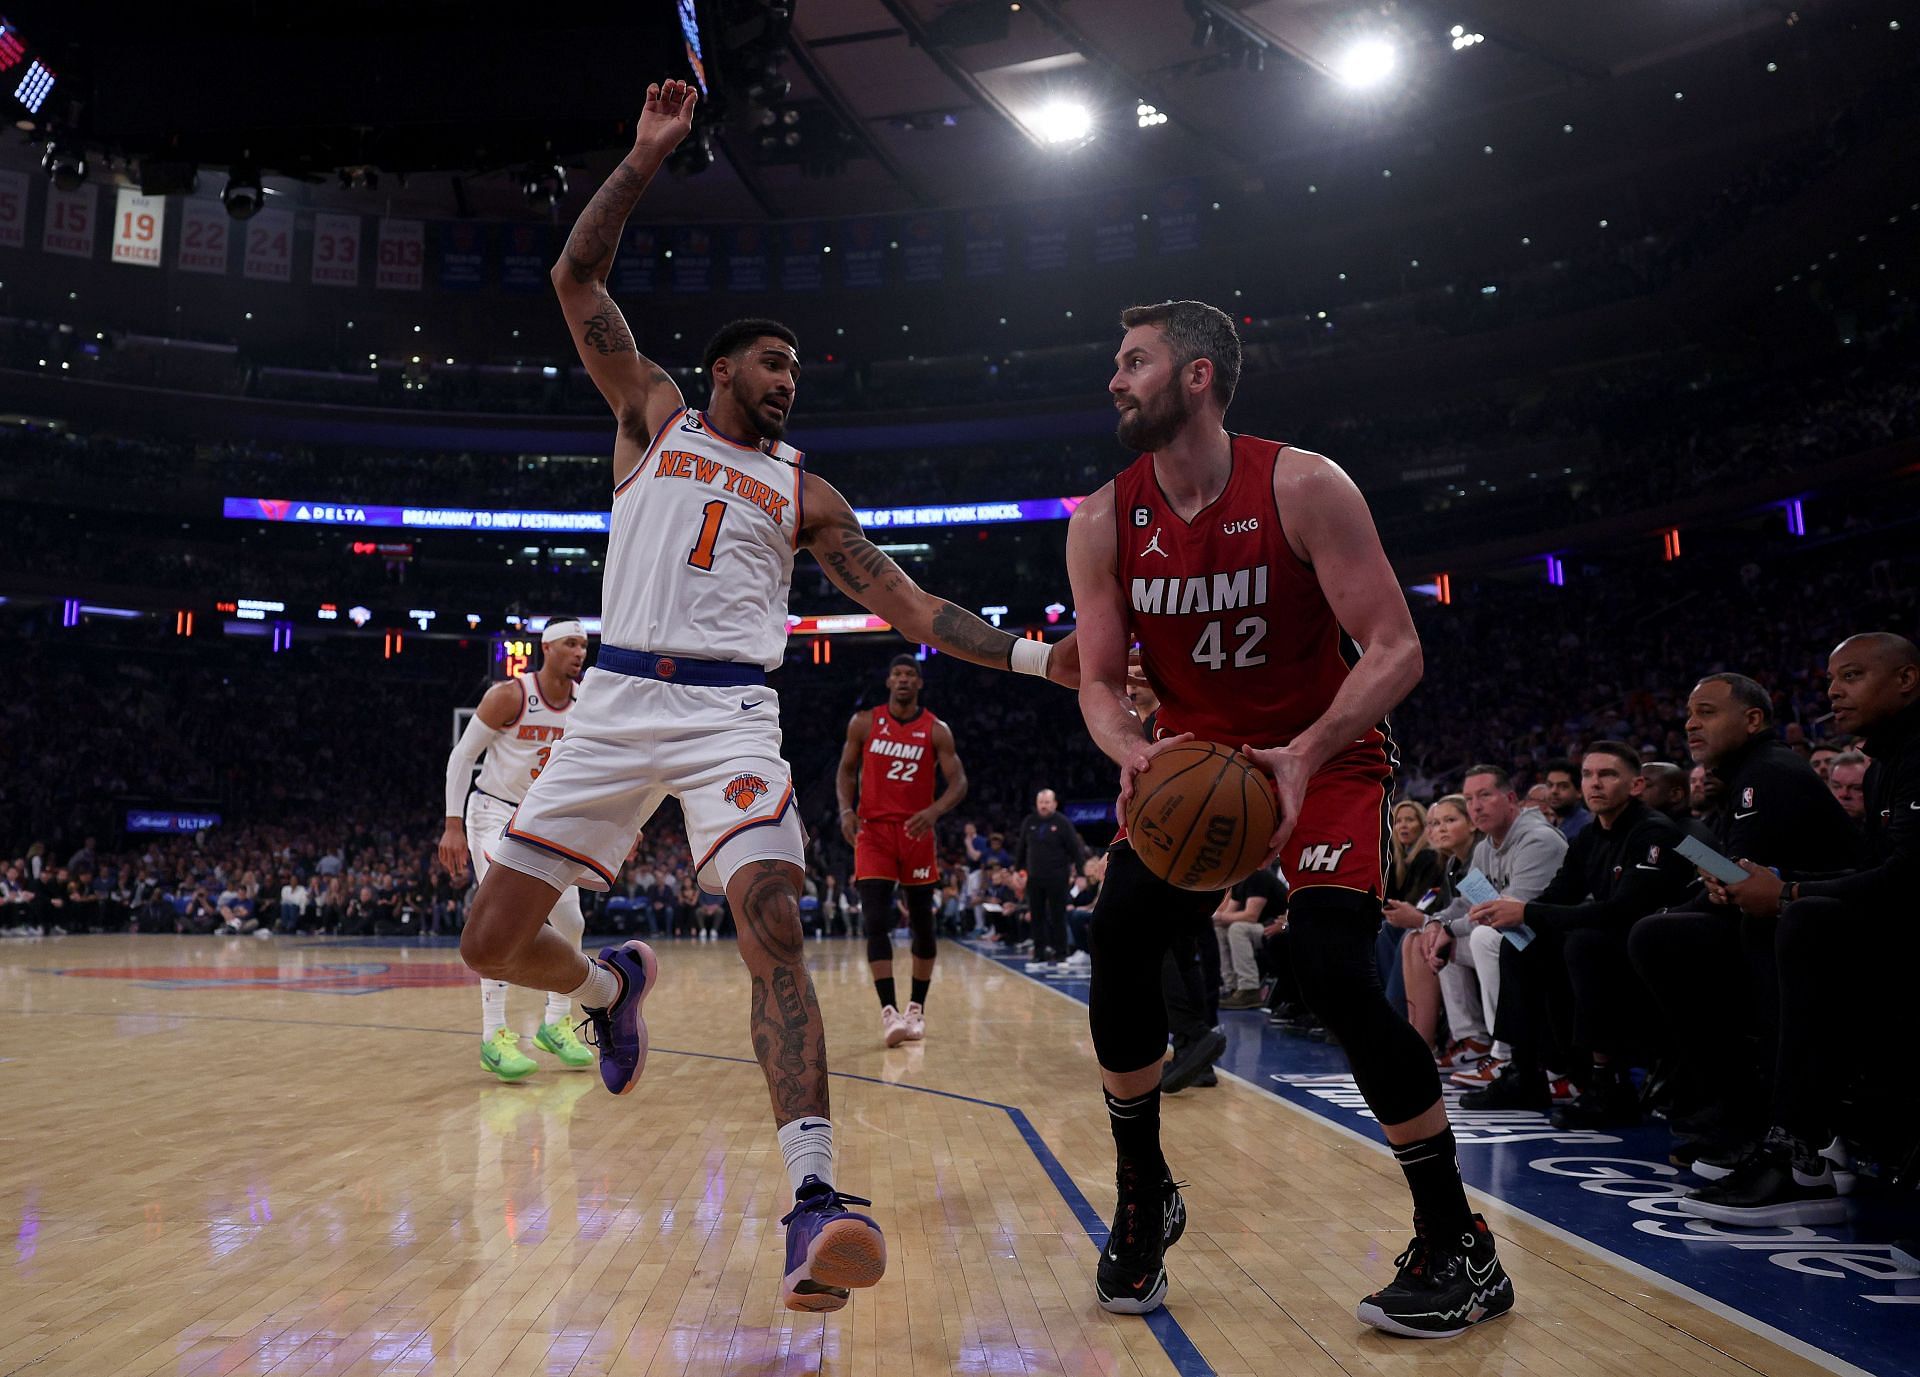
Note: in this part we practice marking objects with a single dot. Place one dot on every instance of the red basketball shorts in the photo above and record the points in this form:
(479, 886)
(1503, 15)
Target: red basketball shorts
(882, 850)
(1340, 837)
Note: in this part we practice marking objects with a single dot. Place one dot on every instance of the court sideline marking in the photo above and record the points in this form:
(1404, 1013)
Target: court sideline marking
(1180, 1349)
(1758, 1328)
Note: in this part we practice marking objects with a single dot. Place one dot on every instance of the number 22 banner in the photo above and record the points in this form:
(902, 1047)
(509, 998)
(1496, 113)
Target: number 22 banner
(204, 229)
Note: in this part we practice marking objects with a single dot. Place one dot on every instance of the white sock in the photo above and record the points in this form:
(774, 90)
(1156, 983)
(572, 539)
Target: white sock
(493, 1006)
(807, 1145)
(559, 1009)
(598, 990)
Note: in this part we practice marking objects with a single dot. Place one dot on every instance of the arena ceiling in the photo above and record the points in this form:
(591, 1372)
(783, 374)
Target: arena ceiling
(898, 104)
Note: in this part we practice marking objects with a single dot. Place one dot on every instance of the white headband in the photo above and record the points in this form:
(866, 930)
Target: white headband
(559, 630)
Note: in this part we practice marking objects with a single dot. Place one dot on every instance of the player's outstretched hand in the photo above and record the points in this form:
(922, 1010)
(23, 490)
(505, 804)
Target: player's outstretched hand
(1141, 762)
(1063, 665)
(667, 118)
(1290, 775)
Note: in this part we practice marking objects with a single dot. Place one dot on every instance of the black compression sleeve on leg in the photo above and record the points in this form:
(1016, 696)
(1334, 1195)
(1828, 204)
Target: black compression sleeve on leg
(876, 911)
(1330, 935)
(1132, 920)
(920, 919)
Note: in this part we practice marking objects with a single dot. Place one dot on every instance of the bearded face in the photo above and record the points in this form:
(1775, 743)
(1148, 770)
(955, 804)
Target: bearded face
(1152, 420)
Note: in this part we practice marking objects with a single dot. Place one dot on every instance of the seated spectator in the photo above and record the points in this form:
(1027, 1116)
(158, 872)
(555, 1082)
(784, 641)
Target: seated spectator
(1821, 759)
(1451, 838)
(1847, 779)
(1413, 873)
(1519, 851)
(1845, 948)
(1562, 779)
(1710, 969)
(1568, 991)
(1240, 929)
(1540, 799)
(1081, 896)
(1664, 788)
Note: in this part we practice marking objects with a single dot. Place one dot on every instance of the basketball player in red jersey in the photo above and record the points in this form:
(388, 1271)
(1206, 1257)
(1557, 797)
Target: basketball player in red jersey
(889, 757)
(1269, 620)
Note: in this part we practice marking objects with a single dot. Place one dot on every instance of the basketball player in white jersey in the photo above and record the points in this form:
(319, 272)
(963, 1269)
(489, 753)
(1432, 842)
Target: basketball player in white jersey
(709, 508)
(518, 723)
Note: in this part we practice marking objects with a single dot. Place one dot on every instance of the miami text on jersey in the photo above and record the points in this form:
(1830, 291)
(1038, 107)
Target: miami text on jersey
(1206, 593)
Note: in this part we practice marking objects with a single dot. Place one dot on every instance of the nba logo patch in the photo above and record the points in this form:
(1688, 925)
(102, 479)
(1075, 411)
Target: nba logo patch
(743, 791)
(1746, 797)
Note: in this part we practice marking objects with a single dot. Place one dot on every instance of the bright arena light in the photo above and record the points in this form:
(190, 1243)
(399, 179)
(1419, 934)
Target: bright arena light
(1063, 121)
(1368, 62)
(1148, 115)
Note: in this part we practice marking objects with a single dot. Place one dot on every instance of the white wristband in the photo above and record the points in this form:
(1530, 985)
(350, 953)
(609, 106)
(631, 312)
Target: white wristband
(1030, 657)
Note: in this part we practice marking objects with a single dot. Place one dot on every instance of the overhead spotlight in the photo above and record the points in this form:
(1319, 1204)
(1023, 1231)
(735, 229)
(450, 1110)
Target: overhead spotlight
(694, 156)
(65, 163)
(769, 91)
(1367, 63)
(244, 195)
(1063, 122)
(544, 186)
(1149, 115)
(1462, 39)
(360, 178)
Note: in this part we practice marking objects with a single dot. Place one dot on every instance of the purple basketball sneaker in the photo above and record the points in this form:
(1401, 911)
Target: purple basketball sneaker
(618, 1030)
(830, 1249)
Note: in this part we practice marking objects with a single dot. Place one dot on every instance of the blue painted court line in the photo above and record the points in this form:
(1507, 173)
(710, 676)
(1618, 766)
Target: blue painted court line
(1834, 1295)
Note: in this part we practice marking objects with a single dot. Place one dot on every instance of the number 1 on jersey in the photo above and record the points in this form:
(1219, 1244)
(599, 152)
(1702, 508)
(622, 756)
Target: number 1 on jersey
(701, 556)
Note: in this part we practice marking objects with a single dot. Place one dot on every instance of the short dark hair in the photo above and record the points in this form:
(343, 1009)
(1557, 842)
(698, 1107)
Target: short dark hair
(910, 661)
(736, 335)
(1501, 778)
(1562, 766)
(1195, 330)
(1619, 750)
(1746, 692)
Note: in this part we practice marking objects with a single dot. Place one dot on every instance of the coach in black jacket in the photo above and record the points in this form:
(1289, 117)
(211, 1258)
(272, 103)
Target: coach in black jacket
(1710, 967)
(1048, 849)
(1845, 948)
(1570, 993)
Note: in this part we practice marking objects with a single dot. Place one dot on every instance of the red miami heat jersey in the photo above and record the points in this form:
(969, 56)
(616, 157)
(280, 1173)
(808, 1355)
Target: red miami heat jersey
(896, 775)
(1236, 638)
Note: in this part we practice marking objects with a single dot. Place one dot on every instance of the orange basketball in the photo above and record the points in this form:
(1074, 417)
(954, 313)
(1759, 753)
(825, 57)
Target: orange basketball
(1201, 818)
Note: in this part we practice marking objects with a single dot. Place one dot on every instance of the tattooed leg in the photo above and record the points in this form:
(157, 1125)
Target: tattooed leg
(788, 1037)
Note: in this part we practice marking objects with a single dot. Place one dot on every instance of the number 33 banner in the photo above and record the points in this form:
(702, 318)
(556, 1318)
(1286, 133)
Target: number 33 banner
(138, 223)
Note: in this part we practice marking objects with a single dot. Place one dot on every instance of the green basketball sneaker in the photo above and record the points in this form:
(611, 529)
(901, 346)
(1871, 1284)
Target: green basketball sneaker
(558, 1039)
(501, 1055)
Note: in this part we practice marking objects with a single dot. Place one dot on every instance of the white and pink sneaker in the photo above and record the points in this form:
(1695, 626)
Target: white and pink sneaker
(893, 1026)
(916, 1019)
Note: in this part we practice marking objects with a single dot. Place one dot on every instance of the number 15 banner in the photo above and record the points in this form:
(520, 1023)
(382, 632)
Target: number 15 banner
(138, 225)
(403, 255)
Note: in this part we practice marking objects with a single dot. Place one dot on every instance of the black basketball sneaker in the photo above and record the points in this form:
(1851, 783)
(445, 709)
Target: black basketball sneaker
(1132, 1276)
(1444, 1286)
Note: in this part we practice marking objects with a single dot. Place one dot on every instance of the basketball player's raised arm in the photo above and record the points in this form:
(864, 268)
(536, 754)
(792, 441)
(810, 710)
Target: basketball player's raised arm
(642, 394)
(1329, 519)
(847, 782)
(1100, 611)
(863, 571)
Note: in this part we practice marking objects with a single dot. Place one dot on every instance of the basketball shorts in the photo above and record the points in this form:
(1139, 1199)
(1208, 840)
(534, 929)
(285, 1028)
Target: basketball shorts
(631, 743)
(487, 819)
(882, 850)
(1341, 837)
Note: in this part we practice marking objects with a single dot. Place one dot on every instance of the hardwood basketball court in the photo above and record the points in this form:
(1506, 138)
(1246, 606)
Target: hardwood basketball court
(229, 1156)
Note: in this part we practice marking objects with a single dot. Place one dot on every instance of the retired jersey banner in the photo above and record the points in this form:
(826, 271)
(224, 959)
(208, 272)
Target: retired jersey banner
(463, 256)
(139, 222)
(336, 250)
(401, 265)
(863, 255)
(1177, 225)
(13, 210)
(1045, 247)
(923, 248)
(984, 247)
(69, 225)
(205, 231)
(525, 259)
(1116, 231)
(749, 258)
(692, 260)
(802, 265)
(636, 268)
(269, 246)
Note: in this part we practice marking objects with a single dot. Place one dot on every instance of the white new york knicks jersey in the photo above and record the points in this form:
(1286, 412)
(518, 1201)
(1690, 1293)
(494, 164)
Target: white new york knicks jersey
(522, 748)
(701, 550)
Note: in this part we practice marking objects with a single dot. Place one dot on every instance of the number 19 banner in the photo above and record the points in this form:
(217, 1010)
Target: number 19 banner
(138, 225)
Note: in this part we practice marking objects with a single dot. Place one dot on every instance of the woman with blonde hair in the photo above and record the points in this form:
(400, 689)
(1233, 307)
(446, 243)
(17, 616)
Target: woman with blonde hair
(1415, 870)
(1451, 836)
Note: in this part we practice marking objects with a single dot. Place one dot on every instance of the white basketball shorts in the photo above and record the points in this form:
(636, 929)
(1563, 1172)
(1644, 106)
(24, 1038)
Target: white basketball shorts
(632, 742)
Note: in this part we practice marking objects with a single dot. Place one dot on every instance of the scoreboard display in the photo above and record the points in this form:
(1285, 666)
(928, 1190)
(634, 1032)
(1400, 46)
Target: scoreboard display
(24, 74)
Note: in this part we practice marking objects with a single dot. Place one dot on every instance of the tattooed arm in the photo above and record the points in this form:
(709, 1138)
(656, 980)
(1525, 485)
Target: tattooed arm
(642, 394)
(862, 571)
